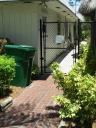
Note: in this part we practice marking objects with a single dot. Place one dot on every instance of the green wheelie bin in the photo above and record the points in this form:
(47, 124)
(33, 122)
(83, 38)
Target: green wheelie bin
(23, 55)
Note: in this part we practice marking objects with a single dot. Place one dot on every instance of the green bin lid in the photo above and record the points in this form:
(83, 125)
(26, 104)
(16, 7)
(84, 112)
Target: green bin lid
(21, 47)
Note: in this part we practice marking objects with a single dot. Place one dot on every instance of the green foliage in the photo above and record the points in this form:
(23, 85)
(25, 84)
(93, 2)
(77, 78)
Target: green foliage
(58, 75)
(68, 108)
(7, 71)
(86, 31)
(79, 88)
(91, 61)
(35, 71)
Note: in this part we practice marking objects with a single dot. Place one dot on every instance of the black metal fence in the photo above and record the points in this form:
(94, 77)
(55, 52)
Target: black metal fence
(57, 39)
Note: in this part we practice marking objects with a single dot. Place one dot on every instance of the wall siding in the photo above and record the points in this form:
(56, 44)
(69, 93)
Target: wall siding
(20, 24)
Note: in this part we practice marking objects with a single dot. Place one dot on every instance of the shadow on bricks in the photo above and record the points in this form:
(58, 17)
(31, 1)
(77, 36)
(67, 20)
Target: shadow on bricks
(24, 116)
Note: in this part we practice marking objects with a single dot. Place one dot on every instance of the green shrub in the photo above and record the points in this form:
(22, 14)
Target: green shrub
(86, 31)
(35, 71)
(7, 72)
(79, 90)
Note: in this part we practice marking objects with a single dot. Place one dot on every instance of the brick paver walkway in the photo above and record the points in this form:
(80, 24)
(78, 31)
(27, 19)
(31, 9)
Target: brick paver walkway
(34, 108)
(40, 94)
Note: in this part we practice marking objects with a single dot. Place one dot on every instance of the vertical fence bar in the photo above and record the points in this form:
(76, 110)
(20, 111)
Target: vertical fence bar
(44, 44)
(79, 36)
(91, 33)
(75, 39)
(41, 57)
(93, 37)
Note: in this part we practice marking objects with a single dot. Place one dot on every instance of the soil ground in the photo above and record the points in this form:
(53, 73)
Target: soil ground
(16, 91)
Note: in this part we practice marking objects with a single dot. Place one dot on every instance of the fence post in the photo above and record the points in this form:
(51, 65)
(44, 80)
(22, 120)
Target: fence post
(79, 36)
(41, 57)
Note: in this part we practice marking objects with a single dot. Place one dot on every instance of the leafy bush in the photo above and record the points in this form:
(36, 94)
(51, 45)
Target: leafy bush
(85, 31)
(7, 72)
(79, 87)
(35, 71)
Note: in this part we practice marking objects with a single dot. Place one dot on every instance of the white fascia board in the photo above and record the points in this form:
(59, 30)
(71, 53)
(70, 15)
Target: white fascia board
(65, 3)
(80, 16)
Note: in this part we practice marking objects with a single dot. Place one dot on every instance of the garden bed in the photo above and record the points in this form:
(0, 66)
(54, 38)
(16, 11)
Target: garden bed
(14, 92)
(7, 100)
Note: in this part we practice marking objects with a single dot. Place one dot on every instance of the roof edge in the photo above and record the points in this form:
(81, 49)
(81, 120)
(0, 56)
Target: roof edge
(77, 15)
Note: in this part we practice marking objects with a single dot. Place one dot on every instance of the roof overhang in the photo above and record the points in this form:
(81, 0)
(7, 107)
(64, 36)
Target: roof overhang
(60, 6)
(61, 9)
(71, 9)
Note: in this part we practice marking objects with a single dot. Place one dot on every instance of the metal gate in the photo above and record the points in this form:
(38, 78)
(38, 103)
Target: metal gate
(57, 39)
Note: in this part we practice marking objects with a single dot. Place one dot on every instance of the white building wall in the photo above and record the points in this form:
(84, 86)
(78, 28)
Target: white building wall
(20, 24)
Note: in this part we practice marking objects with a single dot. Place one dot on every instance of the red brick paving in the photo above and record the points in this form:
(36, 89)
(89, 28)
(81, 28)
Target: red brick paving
(40, 93)
(34, 108)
